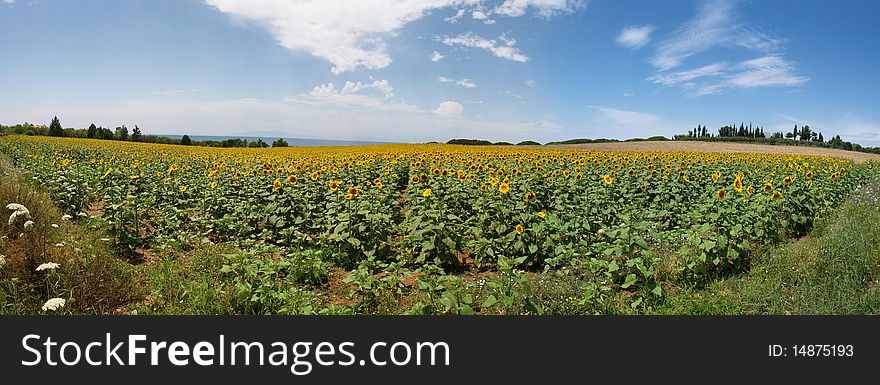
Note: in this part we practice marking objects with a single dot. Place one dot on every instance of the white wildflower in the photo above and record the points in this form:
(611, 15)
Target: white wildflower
(55, 226)
(18, 211)
(59, 244)
(2, 260)
(29, 225)
(105, 239)
(81, 214)
(66, 217)
(601, 232)
(48, 266)
(54, 304)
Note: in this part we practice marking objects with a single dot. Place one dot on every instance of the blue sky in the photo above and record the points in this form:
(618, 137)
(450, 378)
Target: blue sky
(418, 70)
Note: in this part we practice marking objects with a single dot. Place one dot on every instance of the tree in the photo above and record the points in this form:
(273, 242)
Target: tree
(704, 131)
(106, 133)
(794, 134)
(186, 141)
(122, 133)
(280, 142)
(821, 139)
(92, 132)
(136, 134)
(55, 128)
(805, 132)
(258, 144)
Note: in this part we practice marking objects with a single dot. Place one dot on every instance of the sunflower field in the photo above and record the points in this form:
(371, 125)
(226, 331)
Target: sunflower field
(629, 221)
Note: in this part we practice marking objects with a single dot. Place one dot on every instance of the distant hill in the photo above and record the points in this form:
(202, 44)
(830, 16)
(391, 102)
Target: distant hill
(270, 139)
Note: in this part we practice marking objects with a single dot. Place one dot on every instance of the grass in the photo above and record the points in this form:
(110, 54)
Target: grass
(835, 270)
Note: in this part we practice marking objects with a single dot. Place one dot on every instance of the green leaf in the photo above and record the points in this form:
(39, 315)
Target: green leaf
(491, 300)
(628, 281)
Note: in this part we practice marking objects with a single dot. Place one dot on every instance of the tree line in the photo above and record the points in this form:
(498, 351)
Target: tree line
(122, 133)
(797, 136)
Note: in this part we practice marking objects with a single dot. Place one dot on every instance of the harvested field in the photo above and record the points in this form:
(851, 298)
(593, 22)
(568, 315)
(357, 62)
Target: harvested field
(697, 146)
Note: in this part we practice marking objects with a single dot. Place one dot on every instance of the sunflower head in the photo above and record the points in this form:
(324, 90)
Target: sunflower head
(788, 180)
(314, 176)
(750, 190)
(353, 191)
(520, 229)
(607, 179)
(214, 185)
(768, 187)
(504, 188)
(721, 193)
(427, 193)
(182, 188)
(542, 214)
(334, 185)
(776, 196)
(292, 179)
(348, 197)
(530, 197)
(277, 184)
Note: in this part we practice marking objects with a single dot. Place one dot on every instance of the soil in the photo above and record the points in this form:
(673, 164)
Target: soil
(697, 146)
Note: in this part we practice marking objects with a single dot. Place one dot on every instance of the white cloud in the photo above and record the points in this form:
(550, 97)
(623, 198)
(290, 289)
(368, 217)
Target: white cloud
(436, 57)
(448, 109)
(544, 8)
(455, 18)
(466, 83)
(715, 25)
(770, 70)
(347, 33)
(505, 50)
(531, 83)
(350, 34)
(379, 95)
(684, 77)
(628, 94)
(479, 15)
(634, 36)
(7, 2)
(766, 71)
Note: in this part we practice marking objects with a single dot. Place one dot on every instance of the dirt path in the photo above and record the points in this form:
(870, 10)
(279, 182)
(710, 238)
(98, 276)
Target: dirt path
(695, 146)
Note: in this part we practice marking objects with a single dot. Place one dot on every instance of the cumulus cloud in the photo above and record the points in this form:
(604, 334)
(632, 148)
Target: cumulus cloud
(634, 36)
(448, 109)
(350, 34)
(504, 49)
(347, 33)
(436, 57)
(376, 95)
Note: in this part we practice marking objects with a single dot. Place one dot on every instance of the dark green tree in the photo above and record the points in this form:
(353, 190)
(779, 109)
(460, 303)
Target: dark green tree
(806, 133)
(821, 139)
(55, 128)
(136, 134)
(122, 133)
(186, 141)
(92, 132)
(280, 142)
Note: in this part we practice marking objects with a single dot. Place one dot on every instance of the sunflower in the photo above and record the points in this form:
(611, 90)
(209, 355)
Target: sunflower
(427, 193)
(541, 214)
(530, 197)
(277, 184)
(768, 187)
(353, 191)
(519, 229)
(292, 179)
(738, 185)
(414, 179)
(776, 195)
(607, 179)
(716, 176)
(750, 190)
(788, 180)
(314, 176)
(504, 188)
(213, 185)
(835, 175)
(722, 193)
(134, 177)
(348, 197)
(182, 188)
(809, 175)
(334, 185)
(643, 187)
